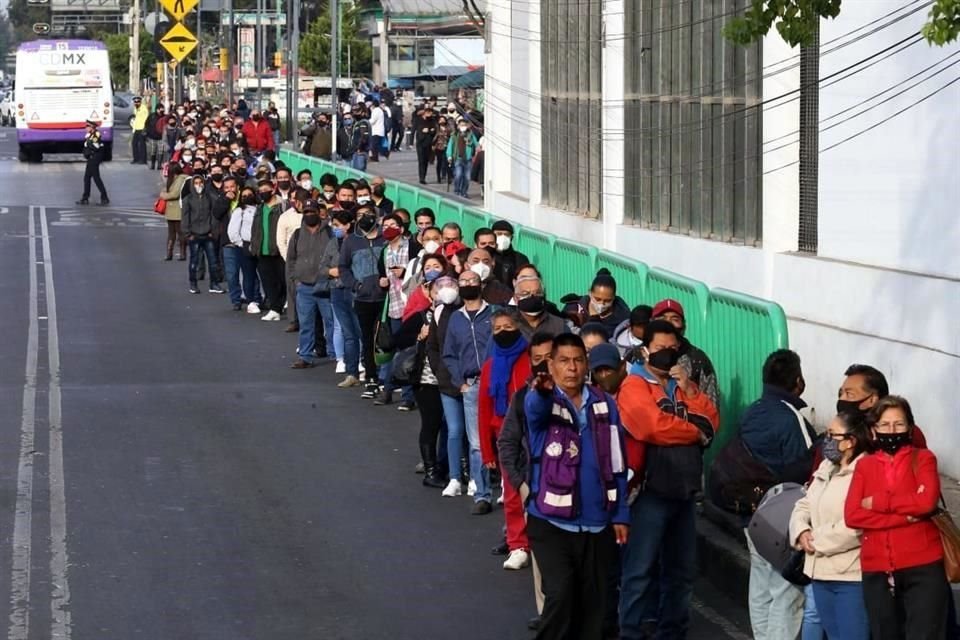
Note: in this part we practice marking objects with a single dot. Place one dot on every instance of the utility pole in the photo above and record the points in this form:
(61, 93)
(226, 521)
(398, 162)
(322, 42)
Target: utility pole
(334, 69)
(230, 54)
(291, 91)
(135, 48)
(261, 53)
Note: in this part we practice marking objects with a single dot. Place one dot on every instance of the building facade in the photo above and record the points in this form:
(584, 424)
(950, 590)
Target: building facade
(636, 127)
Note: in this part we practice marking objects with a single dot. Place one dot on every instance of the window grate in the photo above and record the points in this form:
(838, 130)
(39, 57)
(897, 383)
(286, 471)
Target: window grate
(809, 145)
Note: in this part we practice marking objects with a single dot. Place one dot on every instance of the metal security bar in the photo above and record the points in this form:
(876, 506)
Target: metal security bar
(693, 139)
(809, 144)
(571, 96)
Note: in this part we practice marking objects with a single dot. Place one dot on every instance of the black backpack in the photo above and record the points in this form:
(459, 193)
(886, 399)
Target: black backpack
(738, 481)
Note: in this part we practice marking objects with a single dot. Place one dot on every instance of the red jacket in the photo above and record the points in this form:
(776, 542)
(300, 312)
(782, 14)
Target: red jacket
(489, 422)
(258, 135)
(903, 485)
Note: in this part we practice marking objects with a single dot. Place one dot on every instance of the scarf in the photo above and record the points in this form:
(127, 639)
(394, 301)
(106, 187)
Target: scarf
(501, 370)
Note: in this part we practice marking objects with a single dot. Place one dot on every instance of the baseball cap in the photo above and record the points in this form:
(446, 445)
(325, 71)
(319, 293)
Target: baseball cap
(604, 355)
(311, 205)
(667, 305)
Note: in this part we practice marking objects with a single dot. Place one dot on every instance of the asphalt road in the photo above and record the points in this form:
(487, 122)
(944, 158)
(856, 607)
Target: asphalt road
(166, 476)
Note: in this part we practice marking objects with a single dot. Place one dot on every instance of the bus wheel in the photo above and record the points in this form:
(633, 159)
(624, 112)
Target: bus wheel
(107, 151)
(23, 155)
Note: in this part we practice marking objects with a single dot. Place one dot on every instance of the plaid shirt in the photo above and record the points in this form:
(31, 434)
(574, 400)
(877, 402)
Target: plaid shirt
(396, 258)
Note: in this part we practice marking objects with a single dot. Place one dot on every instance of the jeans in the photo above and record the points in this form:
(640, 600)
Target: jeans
(343, 310)
(237, 262)
(812, 628)
(461, 177)
(276, 139)
(478, 471)
(456, 425)
(776, 606)
(665, 530)
(308, 305)
(842, 610)
(337, 334)
(209, 247)
(359, 161)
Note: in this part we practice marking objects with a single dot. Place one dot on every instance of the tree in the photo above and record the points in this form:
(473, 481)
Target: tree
(23, 16)
(315, 44)
(797, 20)
(118, 50)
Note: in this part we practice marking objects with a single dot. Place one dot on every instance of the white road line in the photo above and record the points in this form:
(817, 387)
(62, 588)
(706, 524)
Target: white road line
(22, 524)
(59, 561)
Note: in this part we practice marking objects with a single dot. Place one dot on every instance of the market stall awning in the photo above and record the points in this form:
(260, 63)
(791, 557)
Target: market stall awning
(470, 80)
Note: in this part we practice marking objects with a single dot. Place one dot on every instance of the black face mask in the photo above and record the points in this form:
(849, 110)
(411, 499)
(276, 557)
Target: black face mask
(367, 223)
(311, 219)
(470, 292)
(506, 339)
(893, 442)
(541, 367)
(379, 190)
(266, 196)
(349, 205)
(284, 184)
(852, 407)
(216, 178)
(248, 200)
(664, 360)
(534, 305)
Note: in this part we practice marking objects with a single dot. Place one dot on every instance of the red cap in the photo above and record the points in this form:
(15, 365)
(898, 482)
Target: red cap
(453, 249)
(667, 305)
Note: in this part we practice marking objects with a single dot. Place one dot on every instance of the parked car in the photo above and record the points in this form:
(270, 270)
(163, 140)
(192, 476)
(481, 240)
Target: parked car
(123, 109)
(6, 110)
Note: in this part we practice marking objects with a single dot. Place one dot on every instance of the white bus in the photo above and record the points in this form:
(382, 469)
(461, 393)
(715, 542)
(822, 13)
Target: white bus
(60, 85)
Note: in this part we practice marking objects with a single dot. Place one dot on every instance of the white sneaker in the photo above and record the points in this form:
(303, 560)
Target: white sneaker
(253, 307)
(500, 499)
(362, 370)
(341, 367)
(271, 316)
(471, 488)
(454, 489)
(518, 559)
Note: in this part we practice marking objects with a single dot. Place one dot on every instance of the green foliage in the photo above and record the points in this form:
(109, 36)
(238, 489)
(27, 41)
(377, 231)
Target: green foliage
(315, 44)
(944, 24)
(796, 21)
(23, 16)
(118, 50)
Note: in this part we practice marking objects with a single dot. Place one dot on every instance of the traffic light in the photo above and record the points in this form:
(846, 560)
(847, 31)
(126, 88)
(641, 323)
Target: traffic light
(278, 59)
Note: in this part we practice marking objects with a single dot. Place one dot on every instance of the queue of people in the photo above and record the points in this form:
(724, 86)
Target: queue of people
(588, 421)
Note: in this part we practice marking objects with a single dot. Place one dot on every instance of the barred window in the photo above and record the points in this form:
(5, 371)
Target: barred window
(571, 42)
(693, 135)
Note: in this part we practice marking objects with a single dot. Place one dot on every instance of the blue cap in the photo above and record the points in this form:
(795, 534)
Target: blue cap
(604, 355)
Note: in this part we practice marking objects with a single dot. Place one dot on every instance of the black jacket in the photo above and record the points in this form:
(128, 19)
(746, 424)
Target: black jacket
(198, 208)
(305, 254)
(513, 445)
(438, 333)
(701, 370)
(506, 265)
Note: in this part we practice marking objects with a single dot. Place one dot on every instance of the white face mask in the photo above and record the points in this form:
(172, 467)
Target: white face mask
(599, 308)
(503, 243)
(190, 143)
(481, 270)
(198, 188)
(363, 199)
(634, 340)
(431, 246)
(463, 129)
(188, 158)
(307, 184)
(448, 295)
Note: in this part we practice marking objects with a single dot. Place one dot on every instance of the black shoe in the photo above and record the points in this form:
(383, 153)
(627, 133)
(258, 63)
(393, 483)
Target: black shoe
(534, 623)
(383, 399)
(293, 327)
(370, 390)
(194, 289)
(302, 364)
(238, 307)
(501, 549)
(407, 406)
(104, 201)
(83, 201)
(481, 508)
(423, 182)
(433, 480)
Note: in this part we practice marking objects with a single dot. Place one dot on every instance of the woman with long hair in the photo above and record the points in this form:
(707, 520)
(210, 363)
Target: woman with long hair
(892, 495)
(176, 179)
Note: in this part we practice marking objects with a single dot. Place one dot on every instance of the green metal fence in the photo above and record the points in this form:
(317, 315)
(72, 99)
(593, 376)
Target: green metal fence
(737, 331)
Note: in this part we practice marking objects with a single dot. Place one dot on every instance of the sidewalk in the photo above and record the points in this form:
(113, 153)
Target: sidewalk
(402, 167)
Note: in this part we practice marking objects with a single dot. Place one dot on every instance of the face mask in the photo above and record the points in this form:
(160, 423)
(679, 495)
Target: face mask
(532, 306)
(481, 270)
(327, 195)
(463, 129)
(664, 360)
(431, 274)
(284, 184)
(180, 112)
(892, 442)
(216, 178)
(235, 152)
(852, 407)
(379, 190)
(448, 295)
(541, 367)
(311, 219)
(831, 451)
(350, 205)
(634, 340)
(431, 246)
(599, 308)
(367, 223)
(188, 158)
(503, 243)
(198, 188)
(256, 118)
(306, 184)
(266, 196)
(363, 199)
(392, 233)
(347, 121)
(206, 133)
(248, 200)
(339, 233)
(190, 143)
(470, 292)
(506, 339)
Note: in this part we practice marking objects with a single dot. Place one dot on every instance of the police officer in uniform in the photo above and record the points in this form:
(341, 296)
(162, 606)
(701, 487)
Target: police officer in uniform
(93, 151)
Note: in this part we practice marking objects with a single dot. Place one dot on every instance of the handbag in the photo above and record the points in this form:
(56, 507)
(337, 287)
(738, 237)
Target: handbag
(383, 345)
(160, 206)
(950, 537)
(792, 571)
(407, 366)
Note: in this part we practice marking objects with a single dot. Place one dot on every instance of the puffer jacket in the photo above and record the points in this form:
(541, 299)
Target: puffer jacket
(820, 511)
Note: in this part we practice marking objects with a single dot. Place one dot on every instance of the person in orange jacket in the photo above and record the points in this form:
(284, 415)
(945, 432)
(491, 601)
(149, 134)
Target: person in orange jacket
(662, 408)
(506, 370)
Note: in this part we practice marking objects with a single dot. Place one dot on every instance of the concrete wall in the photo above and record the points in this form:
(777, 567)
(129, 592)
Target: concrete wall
(884, 288)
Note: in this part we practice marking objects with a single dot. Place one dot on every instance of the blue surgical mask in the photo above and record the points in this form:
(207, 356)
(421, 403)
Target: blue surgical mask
(831, 450)
(431, 275)
(339, 233)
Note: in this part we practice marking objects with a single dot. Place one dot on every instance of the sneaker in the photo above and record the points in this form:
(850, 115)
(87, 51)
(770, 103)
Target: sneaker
(383, 399)
(271, 316)
(472, 488)
(349, 381)
(215, 288)
(500, 499)
(453, 489)
(253, 307)
(518, 559)
(419, 468)
(481, 508)
(362, 370)
(370, 391)
(407, 406)
(194, 289)
(341, 367)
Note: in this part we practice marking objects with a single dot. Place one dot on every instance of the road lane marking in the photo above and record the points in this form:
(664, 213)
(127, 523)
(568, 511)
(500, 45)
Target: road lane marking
(718, 619)
(59, 560)
(22, 524)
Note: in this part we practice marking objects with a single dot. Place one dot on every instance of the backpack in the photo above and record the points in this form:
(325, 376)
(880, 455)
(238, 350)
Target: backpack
(738, 481)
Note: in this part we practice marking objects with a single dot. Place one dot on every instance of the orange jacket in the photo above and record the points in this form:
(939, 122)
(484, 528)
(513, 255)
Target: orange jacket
(642, 401)
(489, 422)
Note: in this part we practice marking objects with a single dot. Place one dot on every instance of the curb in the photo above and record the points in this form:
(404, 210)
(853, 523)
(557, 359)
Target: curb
(722, 555)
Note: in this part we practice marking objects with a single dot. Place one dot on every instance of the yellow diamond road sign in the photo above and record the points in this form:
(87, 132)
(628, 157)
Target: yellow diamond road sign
(179, 8)
(179, 42)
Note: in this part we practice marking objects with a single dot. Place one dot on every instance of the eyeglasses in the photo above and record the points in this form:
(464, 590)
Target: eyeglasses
(839, 437)
(894, 426)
